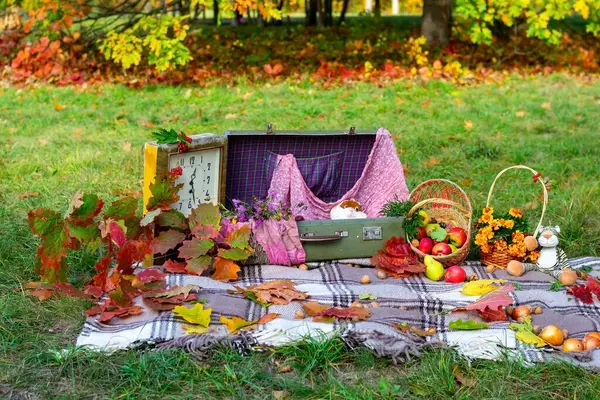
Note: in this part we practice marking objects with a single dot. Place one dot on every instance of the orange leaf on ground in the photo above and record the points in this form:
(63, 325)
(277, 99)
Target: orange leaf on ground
(280, 292)
(26, 195)
(354, 313)
(58, 107)
(234, 324)
(404, 327)
(225, 270)
(110, 309)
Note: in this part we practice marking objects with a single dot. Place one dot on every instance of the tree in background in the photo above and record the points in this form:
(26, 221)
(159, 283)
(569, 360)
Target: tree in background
(129, 32)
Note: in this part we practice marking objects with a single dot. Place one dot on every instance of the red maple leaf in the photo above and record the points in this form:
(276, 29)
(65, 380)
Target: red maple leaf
(491, 315)
(175, 267)
(110, 309)
(491, 306)
(397, 247)
(150, 275)
(582, 292)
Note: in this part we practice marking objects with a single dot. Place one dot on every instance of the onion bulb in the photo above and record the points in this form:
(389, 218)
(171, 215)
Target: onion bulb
(594, 334)
(590, 342)
(572, 344)
(520, 312)
(553, 335)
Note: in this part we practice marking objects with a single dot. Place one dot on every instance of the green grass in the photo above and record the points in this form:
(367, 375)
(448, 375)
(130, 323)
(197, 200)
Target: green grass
(56, 152)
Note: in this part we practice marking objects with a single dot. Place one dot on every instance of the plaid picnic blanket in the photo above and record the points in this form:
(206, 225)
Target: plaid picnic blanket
(416, 300)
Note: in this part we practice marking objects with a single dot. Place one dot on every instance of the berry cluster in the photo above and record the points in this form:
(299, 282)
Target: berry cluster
(184, 142)
(177, 172)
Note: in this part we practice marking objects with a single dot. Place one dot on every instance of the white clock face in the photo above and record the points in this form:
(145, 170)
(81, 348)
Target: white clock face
(200, 178)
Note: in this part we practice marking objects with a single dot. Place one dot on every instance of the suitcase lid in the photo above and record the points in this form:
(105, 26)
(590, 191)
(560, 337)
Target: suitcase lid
(249, 169)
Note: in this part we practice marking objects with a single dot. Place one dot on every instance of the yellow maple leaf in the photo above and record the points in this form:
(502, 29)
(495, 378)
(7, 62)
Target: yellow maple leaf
(481, 287)
(530, 338)
(195, 315)
(234, 324)
(195, 329)
(468, 124)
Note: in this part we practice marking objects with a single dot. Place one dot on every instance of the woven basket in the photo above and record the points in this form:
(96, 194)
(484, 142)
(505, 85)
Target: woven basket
(500, 259)
(445, 201)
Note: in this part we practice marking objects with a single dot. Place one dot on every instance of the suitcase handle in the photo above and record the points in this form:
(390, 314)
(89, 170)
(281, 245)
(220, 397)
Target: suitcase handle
(331, 238)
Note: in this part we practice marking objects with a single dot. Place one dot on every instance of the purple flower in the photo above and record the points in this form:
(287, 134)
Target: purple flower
(236, 202)
(258, 223)
(272, 207)
(241, 209)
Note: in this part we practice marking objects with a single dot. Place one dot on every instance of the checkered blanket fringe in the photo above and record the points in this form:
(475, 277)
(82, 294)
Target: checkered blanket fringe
(415, 300)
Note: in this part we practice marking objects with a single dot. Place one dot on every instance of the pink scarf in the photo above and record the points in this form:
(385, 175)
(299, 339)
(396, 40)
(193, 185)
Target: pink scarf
(381, 180)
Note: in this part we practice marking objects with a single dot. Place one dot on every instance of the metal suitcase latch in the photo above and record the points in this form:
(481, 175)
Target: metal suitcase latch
(372, 233)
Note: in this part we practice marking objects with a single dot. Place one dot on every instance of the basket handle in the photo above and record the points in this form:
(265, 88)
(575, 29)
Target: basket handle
(545, 191)
(452, 203)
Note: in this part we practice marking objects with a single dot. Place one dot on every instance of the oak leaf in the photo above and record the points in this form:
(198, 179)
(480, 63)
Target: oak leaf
(195, 329)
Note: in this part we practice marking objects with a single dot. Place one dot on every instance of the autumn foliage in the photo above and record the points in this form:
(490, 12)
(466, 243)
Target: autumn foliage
(73, 42)
(125, 240)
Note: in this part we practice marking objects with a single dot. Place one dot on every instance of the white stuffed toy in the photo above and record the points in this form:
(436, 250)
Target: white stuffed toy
(347, 209)
(552, 260)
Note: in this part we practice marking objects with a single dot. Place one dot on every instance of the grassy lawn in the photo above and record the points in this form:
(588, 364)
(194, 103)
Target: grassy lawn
(54, 141)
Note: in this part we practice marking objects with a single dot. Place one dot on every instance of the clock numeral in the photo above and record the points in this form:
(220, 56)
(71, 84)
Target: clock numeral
(201, 159)
(180, 206)
(208, 179)
(181, 161)
(189, 204)
(208, 166)
(207, 195)
(192, 160)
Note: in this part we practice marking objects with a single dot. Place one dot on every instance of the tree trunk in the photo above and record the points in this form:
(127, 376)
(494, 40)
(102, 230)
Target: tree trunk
(321, 13)
(328, 12)
(377, 10)
(216, 12)
(343, 13)
(312, 7)
(436, 21)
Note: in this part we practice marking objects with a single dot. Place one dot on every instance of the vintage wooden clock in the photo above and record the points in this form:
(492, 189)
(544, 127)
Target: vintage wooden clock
(203, 168)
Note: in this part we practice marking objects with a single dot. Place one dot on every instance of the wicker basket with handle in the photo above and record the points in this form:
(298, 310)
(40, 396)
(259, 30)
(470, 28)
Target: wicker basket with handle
(500, 259)
(445, 201)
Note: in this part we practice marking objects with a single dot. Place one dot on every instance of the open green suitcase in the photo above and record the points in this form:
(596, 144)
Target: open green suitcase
(247, 177)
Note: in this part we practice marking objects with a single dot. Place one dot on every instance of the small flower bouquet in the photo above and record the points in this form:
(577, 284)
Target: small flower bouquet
(260, 210)
(501, 238)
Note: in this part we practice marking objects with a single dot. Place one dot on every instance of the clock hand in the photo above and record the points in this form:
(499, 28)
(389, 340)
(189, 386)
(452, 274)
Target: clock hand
(193, 189)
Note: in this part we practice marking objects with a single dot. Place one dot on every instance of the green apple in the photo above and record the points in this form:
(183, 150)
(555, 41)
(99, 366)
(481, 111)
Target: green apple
(453, 247)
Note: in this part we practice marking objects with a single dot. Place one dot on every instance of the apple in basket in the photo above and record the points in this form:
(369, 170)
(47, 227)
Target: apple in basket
(425, 245)
(457, 236)
(441, 249)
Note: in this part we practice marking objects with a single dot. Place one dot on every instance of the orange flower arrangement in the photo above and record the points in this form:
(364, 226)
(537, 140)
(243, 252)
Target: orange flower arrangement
(503, 234)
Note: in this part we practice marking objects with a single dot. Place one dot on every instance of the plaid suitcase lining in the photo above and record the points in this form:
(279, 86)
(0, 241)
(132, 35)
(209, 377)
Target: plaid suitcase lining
(246, 172)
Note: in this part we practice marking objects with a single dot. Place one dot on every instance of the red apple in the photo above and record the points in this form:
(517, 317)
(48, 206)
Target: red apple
(421, 232)
(425, 245)
(457, 236)
(455, 274)
(441, 249)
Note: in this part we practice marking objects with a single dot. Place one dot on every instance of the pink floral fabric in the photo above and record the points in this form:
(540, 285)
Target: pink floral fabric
(381, 180)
